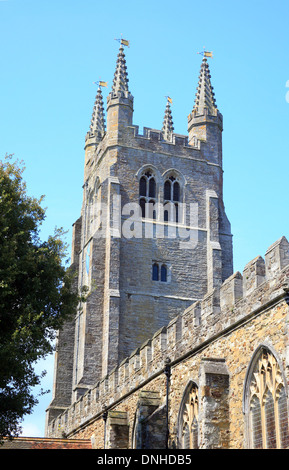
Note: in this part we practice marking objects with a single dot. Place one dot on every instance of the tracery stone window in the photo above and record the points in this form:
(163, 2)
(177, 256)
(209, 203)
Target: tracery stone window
(147, 194)
(189, 419)
(267, 408)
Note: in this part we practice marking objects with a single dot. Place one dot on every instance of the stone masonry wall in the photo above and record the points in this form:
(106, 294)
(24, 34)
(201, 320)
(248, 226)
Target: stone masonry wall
(228, 325)
(123, 296)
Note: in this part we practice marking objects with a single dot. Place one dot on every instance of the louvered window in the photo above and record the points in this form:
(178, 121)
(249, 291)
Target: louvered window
(147, 195)
(172, 198)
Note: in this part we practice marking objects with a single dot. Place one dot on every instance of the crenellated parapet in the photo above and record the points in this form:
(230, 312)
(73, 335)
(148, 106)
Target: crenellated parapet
(156, 135)
(263, 283)
(152, 140)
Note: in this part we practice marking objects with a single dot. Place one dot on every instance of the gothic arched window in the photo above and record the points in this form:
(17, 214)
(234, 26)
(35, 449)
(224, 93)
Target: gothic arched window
(266, 403)
(147, 194)
(188, 421)
(160, 272)
(155, 273)
(164, 273)
(172, 199)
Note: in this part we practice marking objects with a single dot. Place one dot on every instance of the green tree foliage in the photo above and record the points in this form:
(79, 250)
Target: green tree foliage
(36, 295)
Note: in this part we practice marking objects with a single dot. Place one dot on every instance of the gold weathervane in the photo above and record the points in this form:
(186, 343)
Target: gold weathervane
(100, 83)
(122, 41)
(206, 53)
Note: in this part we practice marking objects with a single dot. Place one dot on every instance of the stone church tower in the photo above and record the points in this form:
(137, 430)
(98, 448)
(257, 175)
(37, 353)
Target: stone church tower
(152, 237)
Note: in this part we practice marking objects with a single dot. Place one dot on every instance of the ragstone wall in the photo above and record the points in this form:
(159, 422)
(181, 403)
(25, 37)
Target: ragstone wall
(211, 343)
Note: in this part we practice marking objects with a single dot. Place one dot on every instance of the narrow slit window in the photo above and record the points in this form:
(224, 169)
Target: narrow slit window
(155, 274)
(163, 273)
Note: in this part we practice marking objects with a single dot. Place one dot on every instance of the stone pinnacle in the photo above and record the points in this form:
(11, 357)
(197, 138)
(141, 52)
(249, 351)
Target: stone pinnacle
(205, 97)
(168, 127)
(120, 81)
(97, 126)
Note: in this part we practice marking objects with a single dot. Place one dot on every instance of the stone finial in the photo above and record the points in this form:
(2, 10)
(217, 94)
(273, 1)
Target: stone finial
(120, 80)
(205, 97)
(168, 127)
(97, 125)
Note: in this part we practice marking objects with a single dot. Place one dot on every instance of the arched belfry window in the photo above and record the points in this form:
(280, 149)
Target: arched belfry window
(188, 421)
(266, 406)
(147, 194)
(172, 199)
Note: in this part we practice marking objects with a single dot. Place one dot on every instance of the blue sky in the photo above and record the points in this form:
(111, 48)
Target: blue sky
(53, 50)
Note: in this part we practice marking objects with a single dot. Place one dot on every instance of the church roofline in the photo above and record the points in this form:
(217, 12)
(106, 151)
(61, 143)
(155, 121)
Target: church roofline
(238, 300)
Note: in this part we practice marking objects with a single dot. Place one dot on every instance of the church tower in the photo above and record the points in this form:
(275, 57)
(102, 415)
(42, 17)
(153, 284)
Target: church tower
(153, 236)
